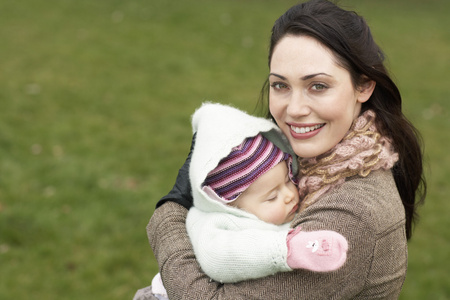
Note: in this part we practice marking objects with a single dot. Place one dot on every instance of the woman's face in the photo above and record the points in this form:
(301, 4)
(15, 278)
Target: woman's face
(312, 98)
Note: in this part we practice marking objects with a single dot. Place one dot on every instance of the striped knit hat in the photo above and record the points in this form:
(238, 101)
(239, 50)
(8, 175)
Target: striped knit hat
(246, 162)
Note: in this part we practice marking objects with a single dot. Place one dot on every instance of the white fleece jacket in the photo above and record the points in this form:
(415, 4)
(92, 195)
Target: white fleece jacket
(230, 244)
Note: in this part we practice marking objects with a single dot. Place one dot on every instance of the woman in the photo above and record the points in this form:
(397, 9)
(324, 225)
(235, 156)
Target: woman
(361, 165)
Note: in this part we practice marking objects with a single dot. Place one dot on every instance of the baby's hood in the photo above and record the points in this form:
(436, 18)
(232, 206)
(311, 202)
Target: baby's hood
(219, 129)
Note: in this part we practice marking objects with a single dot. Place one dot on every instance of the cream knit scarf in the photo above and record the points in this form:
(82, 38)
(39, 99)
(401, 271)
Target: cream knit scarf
(362, 150)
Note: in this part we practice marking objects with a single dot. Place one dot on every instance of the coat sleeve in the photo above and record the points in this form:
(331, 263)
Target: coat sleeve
(184, 278)
(232, 249)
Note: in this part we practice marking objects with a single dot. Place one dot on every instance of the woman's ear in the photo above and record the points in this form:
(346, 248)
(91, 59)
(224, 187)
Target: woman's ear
(365, 90)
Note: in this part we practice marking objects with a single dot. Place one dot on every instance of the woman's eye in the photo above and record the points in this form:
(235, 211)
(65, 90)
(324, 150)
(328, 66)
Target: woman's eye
(278, 86)
(319, 87)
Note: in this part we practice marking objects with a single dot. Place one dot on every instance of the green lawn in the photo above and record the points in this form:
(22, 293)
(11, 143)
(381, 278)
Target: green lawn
(96, 98)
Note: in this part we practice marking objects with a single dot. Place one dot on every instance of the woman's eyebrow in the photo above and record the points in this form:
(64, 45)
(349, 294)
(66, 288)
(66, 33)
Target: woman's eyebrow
(277, 75)
(306, 77)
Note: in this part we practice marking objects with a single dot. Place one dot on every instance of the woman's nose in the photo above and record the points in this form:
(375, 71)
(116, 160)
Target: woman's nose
(298, 105)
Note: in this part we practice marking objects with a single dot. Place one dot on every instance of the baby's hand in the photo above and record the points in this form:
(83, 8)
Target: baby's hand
(319, 251)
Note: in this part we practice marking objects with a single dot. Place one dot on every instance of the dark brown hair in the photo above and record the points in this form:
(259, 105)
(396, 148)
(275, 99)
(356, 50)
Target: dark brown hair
(348, 36)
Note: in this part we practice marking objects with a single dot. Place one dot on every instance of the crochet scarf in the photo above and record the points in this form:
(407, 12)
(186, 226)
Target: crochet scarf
(361, 150)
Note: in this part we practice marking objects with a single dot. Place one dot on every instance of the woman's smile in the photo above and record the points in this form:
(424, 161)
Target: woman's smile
(305, 131)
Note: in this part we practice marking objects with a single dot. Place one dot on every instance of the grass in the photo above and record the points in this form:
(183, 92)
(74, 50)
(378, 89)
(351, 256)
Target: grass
(96, 99)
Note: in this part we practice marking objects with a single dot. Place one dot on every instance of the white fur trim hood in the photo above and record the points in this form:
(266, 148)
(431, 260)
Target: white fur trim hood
(219, 128)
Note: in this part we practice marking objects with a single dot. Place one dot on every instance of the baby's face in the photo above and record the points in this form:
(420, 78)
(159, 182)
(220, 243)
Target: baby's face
(273, 197)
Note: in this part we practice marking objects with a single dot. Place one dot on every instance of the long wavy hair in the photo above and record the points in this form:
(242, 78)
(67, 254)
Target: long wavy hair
(348, 36)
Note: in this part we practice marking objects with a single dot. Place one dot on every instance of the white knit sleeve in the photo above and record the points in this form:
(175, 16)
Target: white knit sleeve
(232, 249)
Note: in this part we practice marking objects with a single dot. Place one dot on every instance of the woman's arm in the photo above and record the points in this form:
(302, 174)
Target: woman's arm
(184, 279)
(181, 274)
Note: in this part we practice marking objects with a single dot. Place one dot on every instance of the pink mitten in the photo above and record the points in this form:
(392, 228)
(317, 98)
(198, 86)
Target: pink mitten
(319, 251)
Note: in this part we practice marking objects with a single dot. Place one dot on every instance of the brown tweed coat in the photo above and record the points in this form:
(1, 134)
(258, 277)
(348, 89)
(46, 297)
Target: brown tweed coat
(367, 211)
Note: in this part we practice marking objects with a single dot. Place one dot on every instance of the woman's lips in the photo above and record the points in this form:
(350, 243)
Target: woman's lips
(304, 131)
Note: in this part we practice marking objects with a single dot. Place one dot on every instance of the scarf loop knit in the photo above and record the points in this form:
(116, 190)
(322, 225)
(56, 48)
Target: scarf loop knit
(361, 150)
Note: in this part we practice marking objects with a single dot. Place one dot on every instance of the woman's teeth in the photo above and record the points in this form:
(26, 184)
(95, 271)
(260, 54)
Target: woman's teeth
(306, 129)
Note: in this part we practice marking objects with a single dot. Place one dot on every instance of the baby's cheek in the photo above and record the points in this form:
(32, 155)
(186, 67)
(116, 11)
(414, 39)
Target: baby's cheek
(276, 217)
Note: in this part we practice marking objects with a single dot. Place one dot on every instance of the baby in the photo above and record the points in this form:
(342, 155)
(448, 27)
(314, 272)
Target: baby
(243, 178)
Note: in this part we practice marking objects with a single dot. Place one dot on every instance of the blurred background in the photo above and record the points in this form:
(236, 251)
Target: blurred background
(95, 105)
